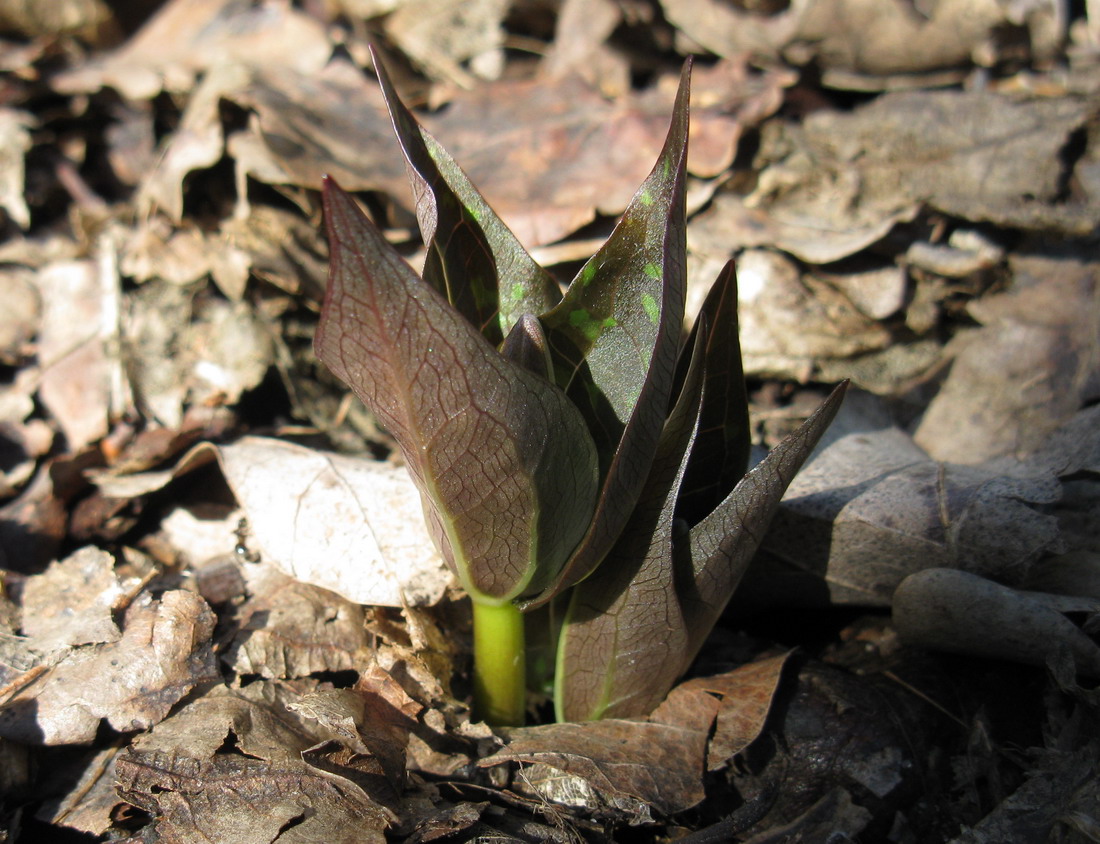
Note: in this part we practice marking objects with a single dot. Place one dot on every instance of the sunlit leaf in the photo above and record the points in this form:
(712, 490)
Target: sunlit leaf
(473, 257)
(615, 335)
(505, 466)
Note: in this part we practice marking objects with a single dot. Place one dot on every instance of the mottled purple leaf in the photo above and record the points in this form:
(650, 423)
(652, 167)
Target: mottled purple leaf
(473, 257)
(624, 639)
(504, 464)
(721, 546)
(615, 335)
(720, 455)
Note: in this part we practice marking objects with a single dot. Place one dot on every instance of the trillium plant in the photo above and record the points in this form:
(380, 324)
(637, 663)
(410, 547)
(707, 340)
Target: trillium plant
(580, 457)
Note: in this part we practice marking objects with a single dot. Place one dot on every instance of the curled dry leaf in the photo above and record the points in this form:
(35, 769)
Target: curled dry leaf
(950, 610)
(164, 651)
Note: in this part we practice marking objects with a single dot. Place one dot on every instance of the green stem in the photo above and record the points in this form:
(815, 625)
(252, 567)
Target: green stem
(500, 688)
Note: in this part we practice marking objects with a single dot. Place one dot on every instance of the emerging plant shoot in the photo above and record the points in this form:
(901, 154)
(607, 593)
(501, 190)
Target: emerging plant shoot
(565, 447)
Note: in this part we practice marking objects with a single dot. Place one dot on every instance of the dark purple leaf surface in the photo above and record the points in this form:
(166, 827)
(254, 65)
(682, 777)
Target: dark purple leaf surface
(721, 546)
(720, 455)
(615, 335)
(505, 466)
(625, 637)
(473, 257)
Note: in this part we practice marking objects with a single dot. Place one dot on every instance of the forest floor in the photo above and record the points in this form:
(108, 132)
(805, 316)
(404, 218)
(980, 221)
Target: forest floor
(221, 618)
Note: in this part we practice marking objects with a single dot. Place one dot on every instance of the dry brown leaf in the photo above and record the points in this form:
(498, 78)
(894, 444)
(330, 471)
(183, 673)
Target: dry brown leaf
(82, 376)
(1034, 362)
(350, 525)
(290, 629)
(869, 44)
(746, 696)
(74, 600)
(239, 757)
(186, 37)
(791, 322)
(443, 35)
(837, 182)
(19, 319)
(229, 797)
(950, 610)
(579, 46)
(624, 762)
(305, 126)
(89, 805)
(369, 735)
(165, 650)
(872, 508)
(549, 157)
(255, 720)
(15, 141)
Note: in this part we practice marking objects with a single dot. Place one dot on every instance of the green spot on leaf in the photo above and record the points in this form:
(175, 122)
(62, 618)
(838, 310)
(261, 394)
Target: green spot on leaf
(583, 321)
(588, 273)
(651, 309)
(646, 197)
(652, 270)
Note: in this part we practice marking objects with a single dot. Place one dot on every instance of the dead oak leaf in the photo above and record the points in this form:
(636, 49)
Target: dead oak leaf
(165, 650)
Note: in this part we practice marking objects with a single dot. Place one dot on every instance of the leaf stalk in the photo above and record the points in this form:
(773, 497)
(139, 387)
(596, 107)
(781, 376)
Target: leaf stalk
(500, 685)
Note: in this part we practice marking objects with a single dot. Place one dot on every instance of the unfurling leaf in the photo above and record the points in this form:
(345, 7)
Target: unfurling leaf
(504, 464)
(473, 257)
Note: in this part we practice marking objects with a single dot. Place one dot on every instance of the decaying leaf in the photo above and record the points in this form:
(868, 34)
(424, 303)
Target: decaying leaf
(869, 44)
(950, 610)
(240, 765)
(78, 345)
(164, 651)
(872, 508)
(838, 182)
(550, 157)
(292, 629)
(74, 601)
(230, 797)
(627, 762)
(186, 37)
(745, 698)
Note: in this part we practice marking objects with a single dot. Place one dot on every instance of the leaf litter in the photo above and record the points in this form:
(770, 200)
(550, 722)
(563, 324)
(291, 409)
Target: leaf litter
(162, 272)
